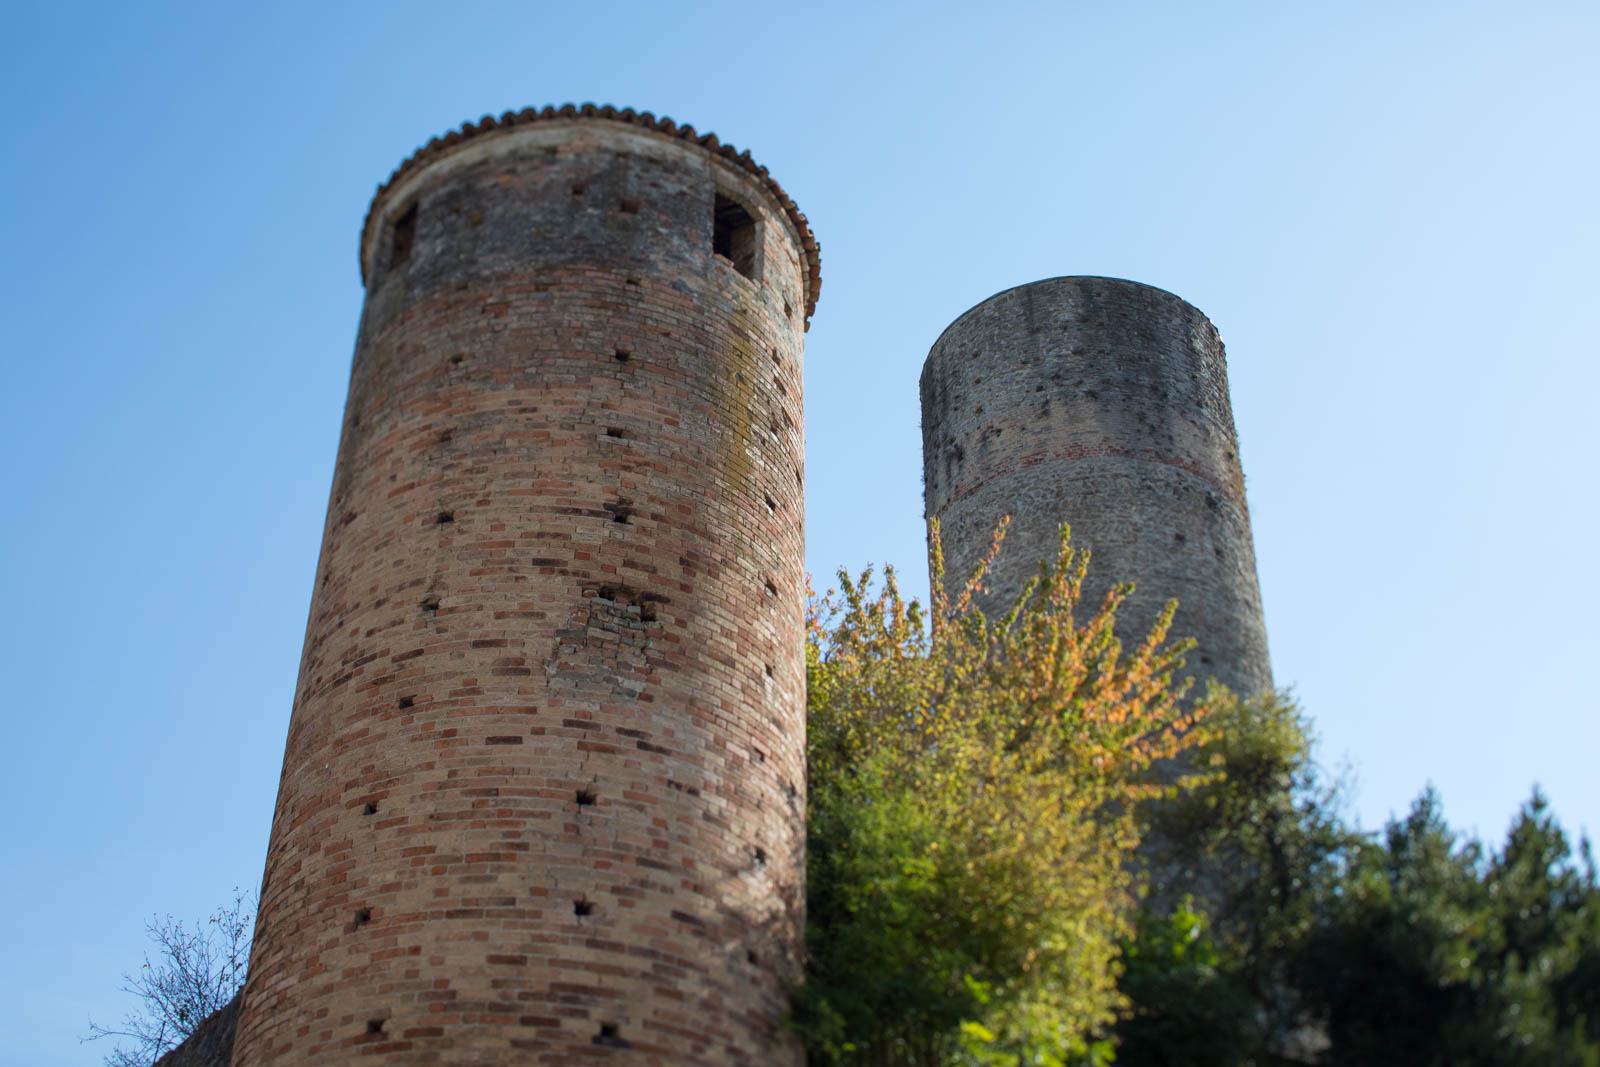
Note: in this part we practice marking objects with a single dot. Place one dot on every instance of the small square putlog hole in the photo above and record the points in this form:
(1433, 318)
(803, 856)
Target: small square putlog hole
(586, 797)
(582, 907)
(733, 235)
(609, 1036)
(374, 1026)
(628, 206)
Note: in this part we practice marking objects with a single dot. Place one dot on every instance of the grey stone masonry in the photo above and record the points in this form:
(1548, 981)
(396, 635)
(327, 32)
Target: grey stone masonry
(1102, 403)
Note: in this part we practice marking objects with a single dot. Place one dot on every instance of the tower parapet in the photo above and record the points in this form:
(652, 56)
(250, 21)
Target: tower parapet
(1102, 403)
(543, 790)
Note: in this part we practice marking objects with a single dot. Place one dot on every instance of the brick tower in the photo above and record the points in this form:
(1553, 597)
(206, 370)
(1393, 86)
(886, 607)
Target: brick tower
(1103, 403)
(542, 798)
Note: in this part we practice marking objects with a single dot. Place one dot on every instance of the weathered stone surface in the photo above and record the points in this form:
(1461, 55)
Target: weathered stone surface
(542, 799)
(1102, 403)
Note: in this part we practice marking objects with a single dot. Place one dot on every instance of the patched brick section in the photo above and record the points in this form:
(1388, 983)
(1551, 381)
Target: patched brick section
(1103, 403)
(538, 744)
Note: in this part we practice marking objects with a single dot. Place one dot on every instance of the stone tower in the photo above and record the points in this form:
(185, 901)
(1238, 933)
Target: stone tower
(1102, 403)
(542, 798)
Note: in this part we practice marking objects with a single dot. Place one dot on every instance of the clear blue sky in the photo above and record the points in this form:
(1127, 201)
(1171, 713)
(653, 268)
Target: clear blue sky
(1389, 210)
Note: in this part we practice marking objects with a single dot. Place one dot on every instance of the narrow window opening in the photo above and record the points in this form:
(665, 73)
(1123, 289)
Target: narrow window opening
(733, 235)
(619, 433)
(586, 797)
(405, 235)
(628, 205)
(405, 702)
(374, 1026)
(623, 355)
(582, 907)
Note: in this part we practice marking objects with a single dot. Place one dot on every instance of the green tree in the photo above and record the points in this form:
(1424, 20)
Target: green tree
(1435, 953)
(973, 789)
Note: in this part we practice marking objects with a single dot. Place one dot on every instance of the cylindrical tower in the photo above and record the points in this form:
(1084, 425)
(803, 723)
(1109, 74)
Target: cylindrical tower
(1102, 403)
(543, 793)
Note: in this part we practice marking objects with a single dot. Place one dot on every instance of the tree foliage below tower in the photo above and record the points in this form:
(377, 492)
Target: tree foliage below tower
(973, 789)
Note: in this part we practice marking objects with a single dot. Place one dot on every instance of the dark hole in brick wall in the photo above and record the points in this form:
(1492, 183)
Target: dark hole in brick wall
(628, 205)
(456, 359)
(733, 234)
(445, 436)
(620, 512)
(635, 281)
(751, 958)
(798, 479)
(370, 809)
(363, 916)
(586, 797)
(405, 702)
(445, 518)
(788, 312)
(769, 670)
(582, 907)
(771, 589)
(430, 605)
(760, 856)
(578, 188)
(1205, 659)
(623, 355)
(405, 235)
(761, 757)
(772, 505)
(775, 357)
(1180, 538)
(355, 421)
(608, 1036)
(619, 433)
(374, 1026)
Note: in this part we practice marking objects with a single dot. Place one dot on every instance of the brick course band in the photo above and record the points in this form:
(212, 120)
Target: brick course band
(543, 790)
(1102, 403)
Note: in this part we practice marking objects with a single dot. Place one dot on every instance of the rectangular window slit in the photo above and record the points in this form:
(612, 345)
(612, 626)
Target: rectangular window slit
(405, 235)
(733, 235)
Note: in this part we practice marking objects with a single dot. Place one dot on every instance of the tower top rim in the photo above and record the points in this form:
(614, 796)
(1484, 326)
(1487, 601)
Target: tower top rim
(1058, 280)
(664, 126)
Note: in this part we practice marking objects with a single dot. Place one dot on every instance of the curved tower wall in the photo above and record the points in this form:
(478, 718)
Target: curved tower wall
(543, 792)
(1102, 403)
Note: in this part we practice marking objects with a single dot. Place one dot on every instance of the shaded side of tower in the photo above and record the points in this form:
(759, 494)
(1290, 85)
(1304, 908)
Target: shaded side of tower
(543, 789)
(1104, 404)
